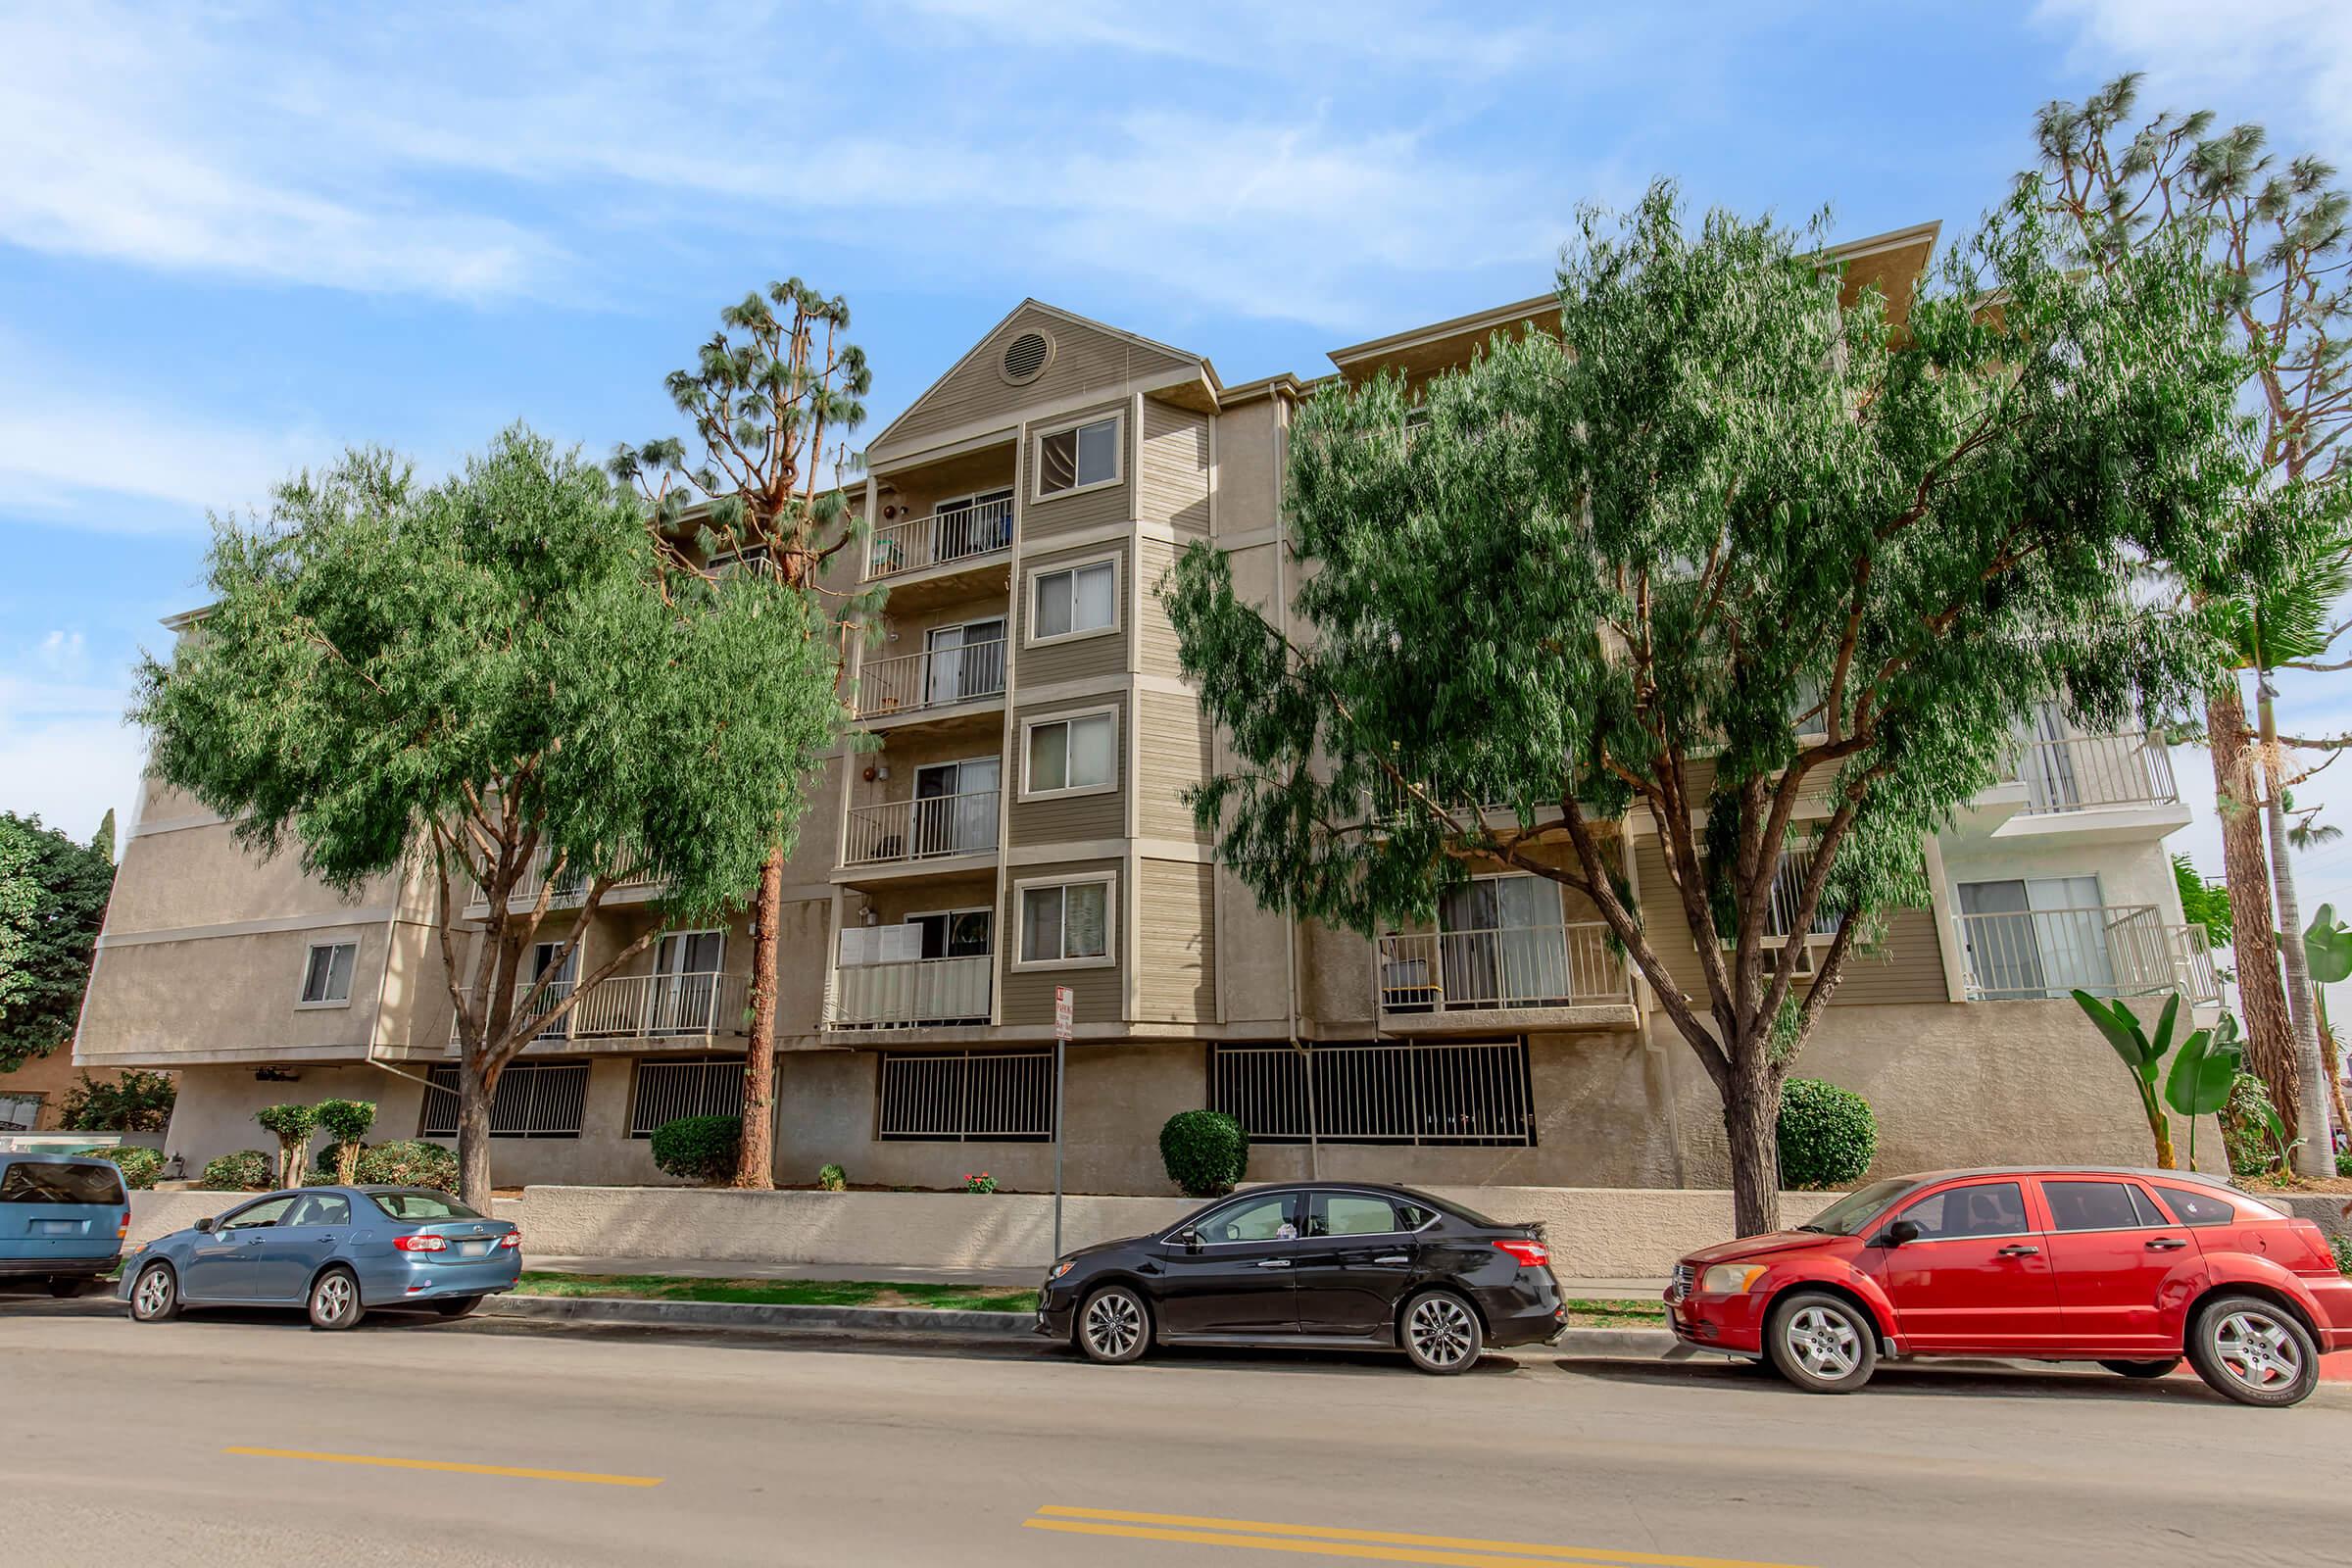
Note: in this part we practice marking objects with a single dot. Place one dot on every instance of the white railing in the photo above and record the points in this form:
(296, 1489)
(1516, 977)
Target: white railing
(2089, 771)
(1522, 966)
(951, 534)
(921, 990)
(642, 1007)
(920, 830)
(2112, 950)
(571, 887)
(931, 678)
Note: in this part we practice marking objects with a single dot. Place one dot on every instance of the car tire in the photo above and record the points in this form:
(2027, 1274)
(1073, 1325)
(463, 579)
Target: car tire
(65, 1287)
(1822, 1344)
(456, 1305)
(155, 1295)
(2142, 1369)
(334, 1300)
(1440, 1333)
(2253, 1350)
(1114, 1325)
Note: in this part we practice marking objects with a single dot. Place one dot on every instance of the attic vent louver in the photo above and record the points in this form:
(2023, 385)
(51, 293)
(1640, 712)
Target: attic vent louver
(1026, 357)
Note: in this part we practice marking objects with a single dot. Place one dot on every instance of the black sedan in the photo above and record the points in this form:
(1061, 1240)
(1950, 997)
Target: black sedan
(1324, 1264)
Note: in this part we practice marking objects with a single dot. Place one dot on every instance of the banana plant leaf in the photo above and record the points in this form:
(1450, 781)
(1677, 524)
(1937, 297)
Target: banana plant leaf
(2203, 1071)
(2328, 947)
(2123, 1031)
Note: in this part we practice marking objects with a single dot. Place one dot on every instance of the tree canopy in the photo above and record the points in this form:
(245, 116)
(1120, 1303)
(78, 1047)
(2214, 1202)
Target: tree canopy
(53, 895)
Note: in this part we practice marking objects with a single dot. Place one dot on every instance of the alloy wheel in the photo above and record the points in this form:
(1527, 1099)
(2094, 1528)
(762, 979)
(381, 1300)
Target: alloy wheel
(2256, 1351)
(1441, 1329)
(334, 1299)
(153, 1293)
(1824, 1343)
(1114, 1324)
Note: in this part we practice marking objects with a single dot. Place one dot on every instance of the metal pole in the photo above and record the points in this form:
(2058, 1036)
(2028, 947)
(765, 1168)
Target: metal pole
(1060, 1047)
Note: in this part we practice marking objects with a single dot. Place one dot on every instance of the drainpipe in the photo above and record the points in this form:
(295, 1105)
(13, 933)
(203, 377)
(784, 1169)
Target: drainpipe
(1289, 909)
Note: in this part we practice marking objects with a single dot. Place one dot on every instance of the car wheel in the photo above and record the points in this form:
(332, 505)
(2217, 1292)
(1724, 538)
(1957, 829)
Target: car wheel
(2253, 1351)
(1442, 1334)
(1823, 1344)
(336, 1299)
(67, 1287)
(1115, 1326)
(155, 1295)
(2141, 1369)
(456, 1305)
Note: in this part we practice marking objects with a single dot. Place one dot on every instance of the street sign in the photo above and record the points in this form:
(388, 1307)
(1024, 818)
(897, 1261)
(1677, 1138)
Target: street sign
(1066, 1008)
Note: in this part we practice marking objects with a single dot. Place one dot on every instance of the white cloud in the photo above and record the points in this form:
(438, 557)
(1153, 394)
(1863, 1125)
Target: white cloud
(65, 754)
(2287, 62)
(65, 454)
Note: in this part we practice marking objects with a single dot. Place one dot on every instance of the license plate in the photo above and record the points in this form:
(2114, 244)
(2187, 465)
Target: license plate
(474, 1248)
(59, 1227)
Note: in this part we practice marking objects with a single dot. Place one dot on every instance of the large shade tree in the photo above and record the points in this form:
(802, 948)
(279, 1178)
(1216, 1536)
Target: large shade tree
(53, 895)
(458, 680)
(1731, 560)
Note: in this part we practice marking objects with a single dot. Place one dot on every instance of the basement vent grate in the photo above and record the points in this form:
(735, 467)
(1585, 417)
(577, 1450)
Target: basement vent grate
(1026, 357)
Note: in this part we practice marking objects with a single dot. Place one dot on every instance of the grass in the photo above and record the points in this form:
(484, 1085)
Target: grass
(780, 1292)
(1643, 1314)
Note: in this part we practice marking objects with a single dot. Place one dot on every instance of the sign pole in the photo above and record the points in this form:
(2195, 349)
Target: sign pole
(1064, 1010)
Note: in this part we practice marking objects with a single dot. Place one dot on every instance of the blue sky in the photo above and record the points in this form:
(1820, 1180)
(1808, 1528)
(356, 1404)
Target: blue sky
(235, 237)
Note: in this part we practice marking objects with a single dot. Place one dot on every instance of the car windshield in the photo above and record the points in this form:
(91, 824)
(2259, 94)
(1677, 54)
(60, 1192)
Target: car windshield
(422, 1205)
(1847, 1215)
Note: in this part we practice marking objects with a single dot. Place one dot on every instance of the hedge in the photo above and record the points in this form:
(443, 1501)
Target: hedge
(699, 1149)
(1205, 1152)
(1828, 1134)
(140, 1166)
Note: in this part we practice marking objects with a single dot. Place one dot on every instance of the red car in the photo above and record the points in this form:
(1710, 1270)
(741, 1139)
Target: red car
(2128, 1268)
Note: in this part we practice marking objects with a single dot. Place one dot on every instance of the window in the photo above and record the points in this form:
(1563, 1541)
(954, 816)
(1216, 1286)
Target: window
(2098, 1206)
(954, 1097)
(1469, 1093)
(1351, 1214)
(18, 1112)
(756, 559)
(955, 810)
(421, 1204)
(532, 1100)
(252, 1216)
(689, 968)
(1066, 922)
(1077, 753)
(320, 1209)
(1072, 601)
(705, 1086)
(2199, 1208)
(1992, 1209)
(1078, 459)
(955, 933)
(31, 1181)
(1252, 1219)
(326, 977)
(1789, 891)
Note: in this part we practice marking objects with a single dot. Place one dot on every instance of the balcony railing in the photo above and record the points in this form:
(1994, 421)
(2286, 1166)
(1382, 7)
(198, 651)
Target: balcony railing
(571, 887)
(2091, 771)
(921, 990)
(1522, 966)
(642, 1007)
(933, 678)
(2112, 950)
(951, 534)
(920, 830)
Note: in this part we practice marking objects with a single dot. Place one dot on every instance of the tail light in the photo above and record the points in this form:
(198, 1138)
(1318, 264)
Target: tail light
(512, 1240)
(123, 1229)
(2321, 1261)
(422, 1243)
(1528, 1254)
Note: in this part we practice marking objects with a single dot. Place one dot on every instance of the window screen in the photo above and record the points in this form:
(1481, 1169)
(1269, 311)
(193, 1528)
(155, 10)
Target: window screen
(1068, 459)
(1072, 754)
(1079, 598)
(327, 976)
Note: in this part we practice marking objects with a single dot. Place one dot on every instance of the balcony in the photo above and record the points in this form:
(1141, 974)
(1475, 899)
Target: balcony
(904, 832)
(1517, 969)
(644, 1007)
(2111, 951)
(916, 993)
(935, 678)
(969, 530)
(2092, 771)
(571, 887)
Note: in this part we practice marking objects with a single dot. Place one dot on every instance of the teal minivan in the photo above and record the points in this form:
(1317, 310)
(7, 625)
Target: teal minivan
(62, 1219)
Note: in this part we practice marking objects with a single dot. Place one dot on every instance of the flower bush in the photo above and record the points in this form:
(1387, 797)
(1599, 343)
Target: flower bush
(982, 1183)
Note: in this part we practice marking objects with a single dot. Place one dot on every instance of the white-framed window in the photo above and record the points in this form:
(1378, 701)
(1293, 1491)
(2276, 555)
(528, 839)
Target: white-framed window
(1078, 457)
(1071, 753)
(1068, 923)
(326, 974)
(1079, 600)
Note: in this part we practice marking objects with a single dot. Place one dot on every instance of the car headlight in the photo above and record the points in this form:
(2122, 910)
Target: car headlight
(1731, 1279)
(1060, 1269)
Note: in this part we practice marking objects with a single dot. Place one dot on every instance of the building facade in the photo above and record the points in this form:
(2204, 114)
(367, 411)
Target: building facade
(1014, 824)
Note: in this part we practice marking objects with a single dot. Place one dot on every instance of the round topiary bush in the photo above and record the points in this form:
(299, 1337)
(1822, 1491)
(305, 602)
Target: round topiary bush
(140, 1166)
(248, 1170)
(1827, 1134)
(1205, 1152)
(699, 1149)
(408, 1162)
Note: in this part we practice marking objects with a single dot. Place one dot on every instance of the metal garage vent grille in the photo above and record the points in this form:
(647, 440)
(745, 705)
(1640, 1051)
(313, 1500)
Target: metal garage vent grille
(1026, 356)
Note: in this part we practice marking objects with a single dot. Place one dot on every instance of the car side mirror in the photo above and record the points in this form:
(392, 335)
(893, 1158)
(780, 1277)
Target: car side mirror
(1898, 1234)
(203, 1222)
(1189, 1240)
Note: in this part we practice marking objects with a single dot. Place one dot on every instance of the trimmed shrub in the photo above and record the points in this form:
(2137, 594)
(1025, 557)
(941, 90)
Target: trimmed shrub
(140, 1166)
(408, 1162)
(293, 1125)
(1827, 1134)
(345, 1122)
(247, 1170)
(833, 1179)
(699, 1149)
(1205, 1152)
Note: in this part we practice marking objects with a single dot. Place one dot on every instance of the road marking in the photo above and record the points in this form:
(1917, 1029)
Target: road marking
(1328, 1541)
(587, 1477)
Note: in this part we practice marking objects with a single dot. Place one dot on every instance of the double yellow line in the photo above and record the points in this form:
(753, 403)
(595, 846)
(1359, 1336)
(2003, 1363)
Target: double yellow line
(1375, 1546)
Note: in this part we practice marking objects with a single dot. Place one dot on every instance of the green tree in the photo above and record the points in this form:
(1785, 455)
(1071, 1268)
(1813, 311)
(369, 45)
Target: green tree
(134, 1102)
(102, 842)
(292, 1125)
(2202, 904)
(445, 682)
(1734, 553)
(345, 1122)
(763, 396)
(53, 895)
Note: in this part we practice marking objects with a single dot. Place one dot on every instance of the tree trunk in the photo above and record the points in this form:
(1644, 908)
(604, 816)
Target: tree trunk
(755, 1167)
(2245, 868)
(2316, 1158)
(1751, 1124)
(474, 1088)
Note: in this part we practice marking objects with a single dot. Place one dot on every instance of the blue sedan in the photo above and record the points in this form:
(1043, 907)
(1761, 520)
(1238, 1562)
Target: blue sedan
(334, 1251)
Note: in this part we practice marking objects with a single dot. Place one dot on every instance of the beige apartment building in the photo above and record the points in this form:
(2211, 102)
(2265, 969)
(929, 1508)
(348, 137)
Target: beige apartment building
(1016, 826)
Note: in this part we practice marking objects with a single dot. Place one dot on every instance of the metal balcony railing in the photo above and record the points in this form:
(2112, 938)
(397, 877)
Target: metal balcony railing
(1520, 967)
(919, 991)
(951, 534)
(2091, 771)
(933, 678)
(2109, 950)
(571, 887)
(920, 830)
(643, 1006)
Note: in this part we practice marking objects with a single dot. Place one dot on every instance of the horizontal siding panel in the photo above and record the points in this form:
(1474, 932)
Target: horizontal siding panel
(1156, 634)
(1085, 360)
(1172, 757)
(1173, 475)
(1177, 942)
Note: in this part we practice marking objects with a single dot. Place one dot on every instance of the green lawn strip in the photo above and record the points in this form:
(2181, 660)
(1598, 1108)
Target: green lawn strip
(781, 1292)
(1636, 1314)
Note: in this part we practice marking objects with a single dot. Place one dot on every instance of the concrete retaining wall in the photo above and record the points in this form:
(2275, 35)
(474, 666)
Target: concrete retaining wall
(154, 1213)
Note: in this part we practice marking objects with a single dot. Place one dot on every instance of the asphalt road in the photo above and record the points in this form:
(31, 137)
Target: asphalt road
(426, 1443)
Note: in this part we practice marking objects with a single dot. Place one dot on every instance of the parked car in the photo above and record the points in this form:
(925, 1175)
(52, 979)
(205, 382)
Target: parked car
(1328, 1265)
(62, 1219)
(335, 1250)
(2133, 1269)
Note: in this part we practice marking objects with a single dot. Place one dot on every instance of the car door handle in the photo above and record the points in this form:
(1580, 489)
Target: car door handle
(2166, 1244)
(1392, 1257)
(2019, 1251)
(323, 1240)
(1274, 1262)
